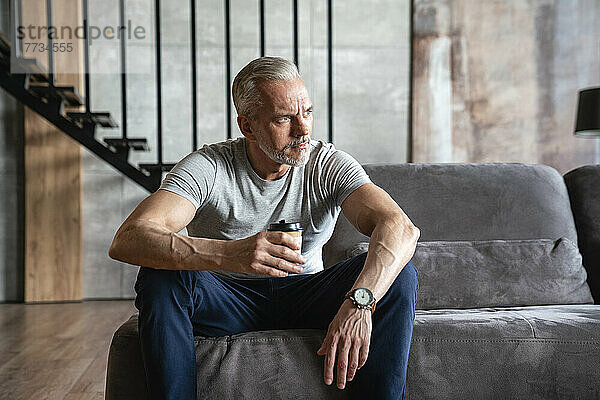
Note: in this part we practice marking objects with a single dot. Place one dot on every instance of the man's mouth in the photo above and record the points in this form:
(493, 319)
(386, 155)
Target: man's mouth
(301, 145)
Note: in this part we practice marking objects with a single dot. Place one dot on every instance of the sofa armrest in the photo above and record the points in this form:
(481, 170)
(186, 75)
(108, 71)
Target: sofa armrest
(583, 185)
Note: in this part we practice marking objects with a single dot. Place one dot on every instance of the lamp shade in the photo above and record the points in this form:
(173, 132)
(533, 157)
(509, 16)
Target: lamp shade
(588, 113)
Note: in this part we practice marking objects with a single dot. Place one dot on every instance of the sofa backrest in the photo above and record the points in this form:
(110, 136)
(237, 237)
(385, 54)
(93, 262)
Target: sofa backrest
(469, 202)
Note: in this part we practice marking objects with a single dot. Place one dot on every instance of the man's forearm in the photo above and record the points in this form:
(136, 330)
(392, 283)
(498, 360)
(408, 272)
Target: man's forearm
(392, 245)
(149, 244)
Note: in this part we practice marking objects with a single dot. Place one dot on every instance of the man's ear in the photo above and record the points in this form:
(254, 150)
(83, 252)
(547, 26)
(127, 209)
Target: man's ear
(245, 125)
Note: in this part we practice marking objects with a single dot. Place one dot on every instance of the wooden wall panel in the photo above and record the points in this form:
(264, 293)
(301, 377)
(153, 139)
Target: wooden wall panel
(52, 213)
(53, 198)
(497, 80)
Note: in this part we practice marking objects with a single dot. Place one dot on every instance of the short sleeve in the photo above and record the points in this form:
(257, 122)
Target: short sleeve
(343, 175)
(193, 177)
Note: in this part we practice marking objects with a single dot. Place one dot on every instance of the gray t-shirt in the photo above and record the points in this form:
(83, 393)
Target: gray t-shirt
(233, 202)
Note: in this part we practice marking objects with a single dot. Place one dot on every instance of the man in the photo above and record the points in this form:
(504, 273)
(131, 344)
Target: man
(227, 194)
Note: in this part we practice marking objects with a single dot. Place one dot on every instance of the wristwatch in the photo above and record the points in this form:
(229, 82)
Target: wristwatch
(362, 298)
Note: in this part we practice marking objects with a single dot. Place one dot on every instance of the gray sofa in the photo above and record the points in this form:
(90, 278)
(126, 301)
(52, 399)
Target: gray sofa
(503, 310)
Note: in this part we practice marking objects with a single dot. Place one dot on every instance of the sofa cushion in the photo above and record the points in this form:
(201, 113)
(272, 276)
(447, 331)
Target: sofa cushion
(469, 201)
(538, 352)
(275, 364)
(495, 273)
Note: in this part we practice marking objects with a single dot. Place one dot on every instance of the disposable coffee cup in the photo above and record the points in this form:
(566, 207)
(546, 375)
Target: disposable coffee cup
(291, 228)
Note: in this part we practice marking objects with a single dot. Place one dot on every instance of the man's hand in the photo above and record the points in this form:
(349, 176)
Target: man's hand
(348, 335)
(268, 253)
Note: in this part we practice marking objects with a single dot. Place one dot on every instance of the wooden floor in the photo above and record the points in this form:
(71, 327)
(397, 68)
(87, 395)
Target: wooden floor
(57, 351)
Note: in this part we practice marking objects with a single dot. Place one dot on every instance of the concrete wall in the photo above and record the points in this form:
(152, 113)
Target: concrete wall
(370, 94)
(11, 189)
(497, 80)
(12, 195)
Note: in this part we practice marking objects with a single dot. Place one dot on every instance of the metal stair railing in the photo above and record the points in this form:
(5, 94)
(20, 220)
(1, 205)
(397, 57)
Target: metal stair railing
(36, 88)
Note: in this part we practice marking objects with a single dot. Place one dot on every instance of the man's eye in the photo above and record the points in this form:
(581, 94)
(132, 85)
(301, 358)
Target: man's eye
(283, 119)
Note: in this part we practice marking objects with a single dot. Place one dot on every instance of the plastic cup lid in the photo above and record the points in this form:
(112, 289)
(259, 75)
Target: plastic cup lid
(285, 226)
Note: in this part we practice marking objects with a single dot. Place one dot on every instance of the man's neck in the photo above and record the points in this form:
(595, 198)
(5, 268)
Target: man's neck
(263, 165)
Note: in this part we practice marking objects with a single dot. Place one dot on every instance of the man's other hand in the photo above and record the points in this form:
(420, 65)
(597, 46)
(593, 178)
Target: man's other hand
(268, 253)
(348, 336)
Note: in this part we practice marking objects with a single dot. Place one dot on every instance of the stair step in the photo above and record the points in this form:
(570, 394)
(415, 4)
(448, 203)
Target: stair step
(153, 168)
(119, 144)
(4, 45)
(93, 118)
(28, 66)
(69, 94)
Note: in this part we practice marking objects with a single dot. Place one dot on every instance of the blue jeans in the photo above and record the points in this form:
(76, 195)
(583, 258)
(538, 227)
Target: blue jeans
(175, 306)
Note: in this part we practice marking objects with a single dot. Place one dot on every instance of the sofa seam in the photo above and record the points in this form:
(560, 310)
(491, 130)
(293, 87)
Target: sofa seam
(540, 340)
(581, 342)
(589, 342)
(254, 340)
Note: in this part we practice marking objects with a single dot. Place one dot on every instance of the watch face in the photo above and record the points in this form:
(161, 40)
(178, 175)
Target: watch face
(362, 296)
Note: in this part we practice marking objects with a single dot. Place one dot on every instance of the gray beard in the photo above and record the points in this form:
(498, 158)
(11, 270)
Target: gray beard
(281, 158)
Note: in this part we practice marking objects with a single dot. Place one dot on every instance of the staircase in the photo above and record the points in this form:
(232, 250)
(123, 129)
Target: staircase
(35, 87)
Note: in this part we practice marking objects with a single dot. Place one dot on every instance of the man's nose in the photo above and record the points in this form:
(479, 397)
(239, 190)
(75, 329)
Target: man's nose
(302, 127)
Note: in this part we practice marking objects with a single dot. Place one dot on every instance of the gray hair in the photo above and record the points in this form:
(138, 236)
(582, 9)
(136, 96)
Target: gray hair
(246, 97)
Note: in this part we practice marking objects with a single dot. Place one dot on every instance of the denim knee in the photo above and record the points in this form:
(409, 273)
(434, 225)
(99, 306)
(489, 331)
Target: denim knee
(157, 288)
(404, 288)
